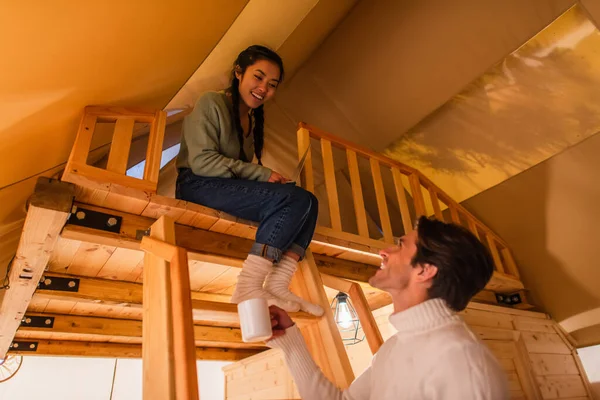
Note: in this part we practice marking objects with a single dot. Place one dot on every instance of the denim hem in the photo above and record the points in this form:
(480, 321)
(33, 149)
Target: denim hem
(296, 248)
(266, 251)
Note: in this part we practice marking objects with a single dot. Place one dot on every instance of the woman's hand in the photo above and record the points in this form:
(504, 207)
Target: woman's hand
(276, 177)
(280, 321)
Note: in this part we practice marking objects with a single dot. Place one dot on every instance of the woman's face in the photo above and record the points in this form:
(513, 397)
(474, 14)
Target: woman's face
(259, 83)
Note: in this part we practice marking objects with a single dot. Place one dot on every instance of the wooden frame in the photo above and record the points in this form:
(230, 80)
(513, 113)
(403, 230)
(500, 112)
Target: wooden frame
(48, 211)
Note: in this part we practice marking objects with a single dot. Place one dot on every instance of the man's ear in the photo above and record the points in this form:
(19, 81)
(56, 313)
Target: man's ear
(428, 272)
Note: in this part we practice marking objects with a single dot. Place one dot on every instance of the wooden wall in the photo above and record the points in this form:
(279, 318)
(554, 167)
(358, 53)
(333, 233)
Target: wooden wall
(538, 359)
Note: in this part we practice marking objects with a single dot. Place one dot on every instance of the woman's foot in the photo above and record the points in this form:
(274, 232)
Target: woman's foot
(250, 284)
(278, 284)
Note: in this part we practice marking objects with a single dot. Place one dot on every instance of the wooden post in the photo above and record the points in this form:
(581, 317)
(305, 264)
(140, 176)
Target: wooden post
(48, 211)
(330, 184)
(308, 181)
(384, 215)
(473, 227)
(494, 251)
(417, 194)
(121, 143)
(435, 202)
(154, 151)
(186, 375)
(454, 214)
(323, 338)
(357, 194)
(401, 194)
(157, 336)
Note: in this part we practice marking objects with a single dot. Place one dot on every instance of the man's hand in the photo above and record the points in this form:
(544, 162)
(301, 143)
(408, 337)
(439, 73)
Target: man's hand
(276, 177)
(280, 321)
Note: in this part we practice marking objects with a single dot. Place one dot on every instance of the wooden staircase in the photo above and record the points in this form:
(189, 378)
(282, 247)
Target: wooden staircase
(101, 251)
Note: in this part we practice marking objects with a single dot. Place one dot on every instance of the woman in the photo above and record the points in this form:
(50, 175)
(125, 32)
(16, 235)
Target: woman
(215, 170)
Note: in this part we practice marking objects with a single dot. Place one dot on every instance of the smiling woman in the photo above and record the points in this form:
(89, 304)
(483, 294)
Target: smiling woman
(221, 136)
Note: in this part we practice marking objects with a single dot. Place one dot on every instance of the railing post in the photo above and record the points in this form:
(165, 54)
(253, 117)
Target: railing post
(308, 181)
(357, 194)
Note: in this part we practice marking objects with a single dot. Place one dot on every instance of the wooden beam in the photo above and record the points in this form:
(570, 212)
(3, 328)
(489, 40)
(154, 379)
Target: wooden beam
(326, 344)
(118, 350)
(357, 194)
(203, 245)
(331, 185)
(158, 366)
(206, 336)
(384, 215)
(129, 294)
(48, 211)
(186, 375)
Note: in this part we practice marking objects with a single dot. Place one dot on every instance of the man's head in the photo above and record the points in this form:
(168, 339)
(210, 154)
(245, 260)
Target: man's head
(436, 260)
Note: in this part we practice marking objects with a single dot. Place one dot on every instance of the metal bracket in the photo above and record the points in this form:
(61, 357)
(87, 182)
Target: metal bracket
(58, 283)
(95, 220)
(509, 299)
(23, 346)
(139, 234)
(35, 321)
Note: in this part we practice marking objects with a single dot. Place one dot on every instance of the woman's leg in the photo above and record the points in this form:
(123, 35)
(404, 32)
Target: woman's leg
(279, 208)
(278, 282)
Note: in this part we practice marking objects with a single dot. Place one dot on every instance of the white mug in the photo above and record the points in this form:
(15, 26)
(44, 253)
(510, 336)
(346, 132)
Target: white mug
(255, 320)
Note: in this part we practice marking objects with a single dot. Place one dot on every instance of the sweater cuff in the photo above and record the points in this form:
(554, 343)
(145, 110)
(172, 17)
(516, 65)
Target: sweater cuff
(299, 360)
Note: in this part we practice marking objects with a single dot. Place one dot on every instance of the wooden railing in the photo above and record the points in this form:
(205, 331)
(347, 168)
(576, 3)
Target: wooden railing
(415, 193)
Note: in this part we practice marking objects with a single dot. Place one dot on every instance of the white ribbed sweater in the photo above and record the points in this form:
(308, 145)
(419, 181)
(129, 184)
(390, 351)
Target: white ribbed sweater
(434, 355)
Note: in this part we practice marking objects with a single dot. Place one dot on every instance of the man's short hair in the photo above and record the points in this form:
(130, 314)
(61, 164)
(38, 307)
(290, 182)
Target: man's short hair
(464, 264)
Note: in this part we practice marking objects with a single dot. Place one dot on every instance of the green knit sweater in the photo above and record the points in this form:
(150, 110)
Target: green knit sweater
(210, 145)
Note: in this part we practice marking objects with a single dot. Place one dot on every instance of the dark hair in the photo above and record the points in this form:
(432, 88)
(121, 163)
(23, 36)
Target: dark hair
(464, 264)
(245, 59)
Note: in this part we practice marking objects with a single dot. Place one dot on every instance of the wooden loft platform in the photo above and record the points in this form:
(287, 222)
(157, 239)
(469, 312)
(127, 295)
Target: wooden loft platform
(82, 243)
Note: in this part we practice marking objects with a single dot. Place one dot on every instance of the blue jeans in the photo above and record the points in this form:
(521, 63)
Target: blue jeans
(287, 213)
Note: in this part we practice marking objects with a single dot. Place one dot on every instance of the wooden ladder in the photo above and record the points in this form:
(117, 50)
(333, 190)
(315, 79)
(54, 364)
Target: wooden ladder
(168, 347)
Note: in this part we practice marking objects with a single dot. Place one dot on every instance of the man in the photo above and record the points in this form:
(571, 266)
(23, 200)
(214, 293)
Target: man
(433, 272)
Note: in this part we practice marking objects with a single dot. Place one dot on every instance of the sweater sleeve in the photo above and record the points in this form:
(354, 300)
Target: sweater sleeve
(469, 373)
(309, 379)
(201, 133)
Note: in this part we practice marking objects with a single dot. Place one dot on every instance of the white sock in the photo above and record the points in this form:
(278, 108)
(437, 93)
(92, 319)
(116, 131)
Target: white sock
(250, 284)
(278, 284)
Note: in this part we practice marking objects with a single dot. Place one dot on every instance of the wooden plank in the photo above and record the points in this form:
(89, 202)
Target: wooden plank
(556, 387)
(534, 324)
(365, 316)
(83, 141)
(121, 265)
(509, 261)
(417, 194)
(357, 194)
(331, 186)
(89, 259)
(435, 202)
(401, 194)
(508, 310)
(121, 143)
(308, 180)
(553, 364)
(112, 350)
(207, 246)
(186, 376)
(129, 295)
(157, 340)
(346, 144)
(112, 113)
(473, 227)
(523, 366)
(494, 251)
(384, 215)
(49, 208)
(548, 343)
(454, 214)
(154, 151)
(326, 331)
(101, 179)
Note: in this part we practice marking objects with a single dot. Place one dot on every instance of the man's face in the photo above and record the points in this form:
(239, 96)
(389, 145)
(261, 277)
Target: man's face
(397, 273)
